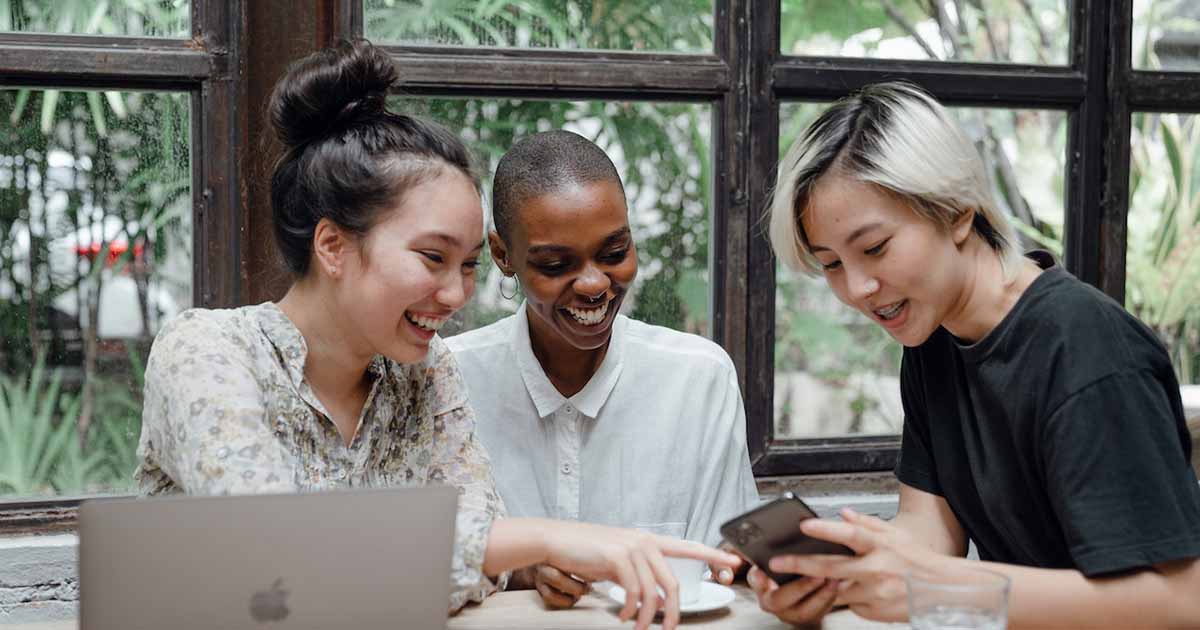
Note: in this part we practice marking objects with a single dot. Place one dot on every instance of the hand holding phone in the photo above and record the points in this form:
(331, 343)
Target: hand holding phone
(773, 530)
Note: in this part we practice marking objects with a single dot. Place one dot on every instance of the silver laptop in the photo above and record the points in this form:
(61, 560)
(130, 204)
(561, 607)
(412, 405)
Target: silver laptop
(366, 560)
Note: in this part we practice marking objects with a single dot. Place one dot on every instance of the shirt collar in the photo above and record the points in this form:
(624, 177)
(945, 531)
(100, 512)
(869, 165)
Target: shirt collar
(286, 338)
(290, 344)
(545, 396)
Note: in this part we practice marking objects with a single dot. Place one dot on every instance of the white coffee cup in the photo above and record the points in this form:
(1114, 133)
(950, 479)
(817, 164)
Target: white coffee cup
(689, 573)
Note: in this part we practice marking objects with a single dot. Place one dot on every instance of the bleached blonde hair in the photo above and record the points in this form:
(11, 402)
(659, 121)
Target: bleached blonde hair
(897, 137)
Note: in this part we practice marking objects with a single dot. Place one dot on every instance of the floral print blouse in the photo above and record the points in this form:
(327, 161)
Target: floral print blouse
(228, 411)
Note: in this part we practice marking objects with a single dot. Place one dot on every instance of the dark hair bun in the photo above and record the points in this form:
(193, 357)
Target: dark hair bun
(330, 90)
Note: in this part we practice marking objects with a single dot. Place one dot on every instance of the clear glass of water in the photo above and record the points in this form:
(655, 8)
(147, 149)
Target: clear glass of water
(971, 599)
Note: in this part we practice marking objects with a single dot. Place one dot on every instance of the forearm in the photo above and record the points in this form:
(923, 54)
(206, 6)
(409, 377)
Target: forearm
(514, 543)
(927, 534)
(1060, 598)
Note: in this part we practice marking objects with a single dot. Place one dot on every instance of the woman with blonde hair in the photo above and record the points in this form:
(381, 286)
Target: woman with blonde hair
(1042, 421)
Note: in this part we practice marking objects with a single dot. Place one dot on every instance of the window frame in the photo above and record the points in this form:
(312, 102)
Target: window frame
(206, 67)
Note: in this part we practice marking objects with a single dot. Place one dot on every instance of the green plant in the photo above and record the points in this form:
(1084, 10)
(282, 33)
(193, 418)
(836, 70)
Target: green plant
(1163, 253)
(37, 434)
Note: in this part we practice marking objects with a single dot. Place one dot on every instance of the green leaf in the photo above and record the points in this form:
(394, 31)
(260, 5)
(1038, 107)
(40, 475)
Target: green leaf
(97, 109)
(19, 105)
(49, 105)
(1171, 144)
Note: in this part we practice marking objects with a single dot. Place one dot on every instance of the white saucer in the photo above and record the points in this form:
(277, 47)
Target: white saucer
(712, 597)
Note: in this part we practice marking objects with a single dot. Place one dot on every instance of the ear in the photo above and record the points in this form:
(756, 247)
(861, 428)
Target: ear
(500, 252)
(963, 225)
(331, 246)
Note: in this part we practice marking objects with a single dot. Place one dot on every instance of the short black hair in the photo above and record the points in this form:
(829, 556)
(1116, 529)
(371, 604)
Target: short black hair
(544, 163)
(347, 157)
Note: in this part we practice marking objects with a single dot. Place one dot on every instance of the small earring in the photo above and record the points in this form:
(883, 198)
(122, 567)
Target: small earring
(516, 287)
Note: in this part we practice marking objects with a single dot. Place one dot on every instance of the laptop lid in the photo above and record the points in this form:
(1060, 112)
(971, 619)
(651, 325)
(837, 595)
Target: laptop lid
(367, 559)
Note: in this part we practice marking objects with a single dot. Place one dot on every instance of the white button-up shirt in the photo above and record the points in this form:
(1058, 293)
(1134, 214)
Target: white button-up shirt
(656, 439)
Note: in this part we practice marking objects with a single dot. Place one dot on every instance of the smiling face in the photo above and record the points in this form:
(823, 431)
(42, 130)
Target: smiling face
(574, 255)
(414, 269)
(879, 256)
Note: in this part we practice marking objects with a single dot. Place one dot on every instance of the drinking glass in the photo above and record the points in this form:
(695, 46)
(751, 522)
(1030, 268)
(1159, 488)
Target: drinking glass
(969, 599)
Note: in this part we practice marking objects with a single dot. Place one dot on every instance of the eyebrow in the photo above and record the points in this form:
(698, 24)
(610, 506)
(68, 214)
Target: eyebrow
(445, 238)
(613, 237)
(854, 236)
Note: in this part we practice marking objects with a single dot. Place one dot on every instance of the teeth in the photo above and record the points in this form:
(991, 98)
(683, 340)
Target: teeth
(891, 311)
(428, 323)
(589, 317)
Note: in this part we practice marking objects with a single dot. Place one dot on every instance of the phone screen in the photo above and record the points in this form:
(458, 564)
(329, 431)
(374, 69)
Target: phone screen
(774, 529)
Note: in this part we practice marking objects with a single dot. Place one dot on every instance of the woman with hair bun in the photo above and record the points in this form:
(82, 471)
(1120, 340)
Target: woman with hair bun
(344, 382)
(1042, 422)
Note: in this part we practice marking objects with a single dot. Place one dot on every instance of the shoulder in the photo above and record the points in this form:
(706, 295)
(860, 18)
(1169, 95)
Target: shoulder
(441, 380)
(1079, 323)
(668, 347)
(197, 333)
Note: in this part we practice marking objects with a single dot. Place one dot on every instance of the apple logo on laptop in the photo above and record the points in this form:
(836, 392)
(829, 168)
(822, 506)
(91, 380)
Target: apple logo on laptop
(271, 604)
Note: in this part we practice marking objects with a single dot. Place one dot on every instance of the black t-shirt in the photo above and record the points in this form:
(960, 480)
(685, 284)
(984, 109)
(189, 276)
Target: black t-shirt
(1059, 439)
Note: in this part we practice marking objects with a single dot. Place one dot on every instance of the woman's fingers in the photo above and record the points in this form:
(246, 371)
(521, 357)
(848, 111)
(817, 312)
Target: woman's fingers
(816, 565)
(670, 585)
(649, 591)
(788, 595)
(816, 605)
(872, 523)
(855, 536)
(628, 579)
(678, 548)
(561, 581)
(800, 601)
(553, 598)
(759, 582)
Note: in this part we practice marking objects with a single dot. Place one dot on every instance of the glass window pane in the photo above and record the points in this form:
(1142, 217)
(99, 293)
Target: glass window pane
(1162, 259)
(837, 372)
(642, 25)
(661, 151)
(140, 18)
(1166, 35)
(1031, 31)
(95, 254)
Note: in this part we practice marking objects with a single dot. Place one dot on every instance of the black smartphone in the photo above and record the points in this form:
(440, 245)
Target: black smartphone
(774, 529)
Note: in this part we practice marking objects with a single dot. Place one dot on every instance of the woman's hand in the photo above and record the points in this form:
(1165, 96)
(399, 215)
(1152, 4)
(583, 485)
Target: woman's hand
(558, 590)
(871, 583)
(633, 559)
(800, 602)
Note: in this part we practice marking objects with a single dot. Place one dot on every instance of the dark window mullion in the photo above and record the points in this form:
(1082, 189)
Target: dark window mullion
(99, 63)
(830, 456)
(798, 78)
(1164, 91)
(749, 270)
(218, 146)
(349, 16)
(1111, 243)
(561, 74)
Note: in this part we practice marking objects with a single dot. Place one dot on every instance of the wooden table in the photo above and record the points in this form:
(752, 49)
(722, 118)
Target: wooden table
(523, 610)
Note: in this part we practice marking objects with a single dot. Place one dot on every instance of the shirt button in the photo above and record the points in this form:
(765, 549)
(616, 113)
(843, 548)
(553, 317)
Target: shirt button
(566, 469)
(569, 410)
